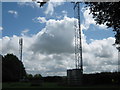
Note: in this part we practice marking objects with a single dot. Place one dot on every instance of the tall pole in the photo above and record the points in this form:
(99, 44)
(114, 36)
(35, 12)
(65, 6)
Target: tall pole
(78, 40)
(20, 43)
(20, 49)
(81, 65)
(119, 59)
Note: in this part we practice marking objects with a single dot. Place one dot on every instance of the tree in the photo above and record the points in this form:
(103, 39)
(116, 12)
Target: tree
(107, 13)
(29, 76)
(12, 68)
(41, 3)
(37, 76)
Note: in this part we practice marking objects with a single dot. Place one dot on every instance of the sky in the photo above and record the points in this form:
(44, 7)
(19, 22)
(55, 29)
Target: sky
(48, 38)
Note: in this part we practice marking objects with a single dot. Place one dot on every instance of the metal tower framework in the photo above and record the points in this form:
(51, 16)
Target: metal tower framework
(20, 51)
(20, 48)
(78, 41)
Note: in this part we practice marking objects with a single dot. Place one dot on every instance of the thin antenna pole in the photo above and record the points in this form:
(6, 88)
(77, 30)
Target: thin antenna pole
(20, 49)
(20, 43)
(119, 60)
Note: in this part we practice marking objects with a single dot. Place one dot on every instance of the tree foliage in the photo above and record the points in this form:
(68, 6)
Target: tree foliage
(107, 13)
(12, 68)
(37, 76)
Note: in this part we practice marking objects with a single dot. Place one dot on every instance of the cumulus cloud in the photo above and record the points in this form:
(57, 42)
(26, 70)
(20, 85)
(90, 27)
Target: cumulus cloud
(64, 13)
(15, 13)
(40, 19)
(1, 28)
(88, 20)
(24, 32)
(51, 50)
(100, 55)
(50, 8)
(55, 37)
(26, 0)
(9, 44)
(16, 0)
(50, 5)
(31, 4)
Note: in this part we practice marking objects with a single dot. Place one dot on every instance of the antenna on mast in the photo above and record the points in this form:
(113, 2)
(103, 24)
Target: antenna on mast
(20, 48)
(20, 51)
(78, 40)
(75, 76)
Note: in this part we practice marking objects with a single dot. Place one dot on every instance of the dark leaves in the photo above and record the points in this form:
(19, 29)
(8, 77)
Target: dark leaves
(107, 13)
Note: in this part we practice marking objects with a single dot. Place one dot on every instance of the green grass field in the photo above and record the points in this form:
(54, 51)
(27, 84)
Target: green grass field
(52, 85)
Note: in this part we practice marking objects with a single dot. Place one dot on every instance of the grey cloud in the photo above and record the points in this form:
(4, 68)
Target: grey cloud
(57, 38)
(51, 51)
(9, 45)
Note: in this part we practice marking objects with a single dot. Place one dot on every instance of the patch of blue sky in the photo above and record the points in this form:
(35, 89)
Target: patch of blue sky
(15, 25)
(97, 33)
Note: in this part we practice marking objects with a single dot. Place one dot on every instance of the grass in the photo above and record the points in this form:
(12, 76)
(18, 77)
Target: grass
(29, 85)
(14, 85)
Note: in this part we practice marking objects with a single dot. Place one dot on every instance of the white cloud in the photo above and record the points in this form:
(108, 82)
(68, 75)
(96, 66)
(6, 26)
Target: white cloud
(1, 28)
(51, 6)
(51, 51)
(26, 0)
(15, 13)
(24, 32)
(40, 19)
(16, 0)
(9, 44)
(31, 4)
(54, 36)
(64, 13)
(50, 9)
(88, 20)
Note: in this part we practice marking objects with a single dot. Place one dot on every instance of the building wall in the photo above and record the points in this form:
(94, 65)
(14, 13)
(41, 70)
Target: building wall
(74, 77)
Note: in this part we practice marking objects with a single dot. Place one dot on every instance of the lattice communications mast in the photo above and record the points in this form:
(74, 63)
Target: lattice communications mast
(20, 50)
(78, 41)
(21, 46)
